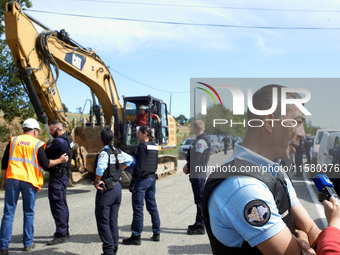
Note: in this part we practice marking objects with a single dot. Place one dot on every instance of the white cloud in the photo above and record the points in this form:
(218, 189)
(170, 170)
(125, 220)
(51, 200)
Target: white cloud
(128, 37)
(267, 50)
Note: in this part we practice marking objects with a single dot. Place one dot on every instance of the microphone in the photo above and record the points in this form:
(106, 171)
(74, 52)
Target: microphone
(324, 185)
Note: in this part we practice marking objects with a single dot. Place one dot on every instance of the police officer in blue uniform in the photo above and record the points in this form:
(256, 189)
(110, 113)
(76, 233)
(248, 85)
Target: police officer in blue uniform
(197, 160)
(143, 186)
(309, 142)
(299, 159)
(251, 206)
(110, 163)
(58, 181)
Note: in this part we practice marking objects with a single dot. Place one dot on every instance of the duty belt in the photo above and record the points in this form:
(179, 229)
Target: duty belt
(109, 184)
(152, 175)
(59, 171)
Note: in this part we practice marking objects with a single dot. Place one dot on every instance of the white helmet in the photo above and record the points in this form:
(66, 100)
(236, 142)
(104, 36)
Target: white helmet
(31, 123)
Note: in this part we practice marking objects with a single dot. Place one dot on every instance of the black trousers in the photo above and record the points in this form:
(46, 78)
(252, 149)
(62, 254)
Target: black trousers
(197, 185)
(58, 204)
(106, 211)
(298, 164)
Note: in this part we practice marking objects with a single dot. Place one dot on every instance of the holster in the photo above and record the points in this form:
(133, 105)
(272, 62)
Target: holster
(59, 171)
(109, 184)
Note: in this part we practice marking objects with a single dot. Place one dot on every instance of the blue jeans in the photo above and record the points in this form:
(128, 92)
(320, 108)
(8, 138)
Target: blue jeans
(145, 189)
(29, 193)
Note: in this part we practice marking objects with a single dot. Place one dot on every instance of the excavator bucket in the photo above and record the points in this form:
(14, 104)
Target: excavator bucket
(86, 136)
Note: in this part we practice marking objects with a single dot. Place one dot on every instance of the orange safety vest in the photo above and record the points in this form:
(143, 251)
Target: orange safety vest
(23, 160)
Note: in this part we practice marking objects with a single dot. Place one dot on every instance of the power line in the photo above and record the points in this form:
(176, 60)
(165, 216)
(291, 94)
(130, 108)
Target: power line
(211, 7)
(131, 79)
(189, 24)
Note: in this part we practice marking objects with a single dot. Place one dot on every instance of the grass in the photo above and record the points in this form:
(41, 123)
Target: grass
(173, 152)
(182, 134)
(71, 116)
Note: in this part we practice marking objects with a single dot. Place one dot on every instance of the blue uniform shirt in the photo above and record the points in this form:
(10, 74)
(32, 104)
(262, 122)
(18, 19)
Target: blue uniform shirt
(201, 146)
(228, 203)
(103, 160)
(196, 155)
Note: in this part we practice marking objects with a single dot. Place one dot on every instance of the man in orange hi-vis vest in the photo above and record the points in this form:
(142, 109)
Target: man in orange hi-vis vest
(22, 171)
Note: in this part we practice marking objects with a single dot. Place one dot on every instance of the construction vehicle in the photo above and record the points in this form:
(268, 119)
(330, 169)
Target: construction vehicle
(39, 56)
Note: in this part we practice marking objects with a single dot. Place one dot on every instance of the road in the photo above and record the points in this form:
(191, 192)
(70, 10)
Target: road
(176, 208)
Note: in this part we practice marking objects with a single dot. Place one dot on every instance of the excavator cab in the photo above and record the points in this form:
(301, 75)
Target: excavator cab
(163, 131)
(131, 127)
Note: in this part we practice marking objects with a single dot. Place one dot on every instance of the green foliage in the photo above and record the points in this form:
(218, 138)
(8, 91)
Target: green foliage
(309, 128)
(220, 112)
(181, 136)
(181, 119)
(79, 109)
(14, 101)
(65, 107)
(3, 133)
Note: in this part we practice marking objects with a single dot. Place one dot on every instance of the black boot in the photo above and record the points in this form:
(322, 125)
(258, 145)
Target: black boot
(58, 240)
(156, 237)
(133, 240)
(196, 230)
(192, 227)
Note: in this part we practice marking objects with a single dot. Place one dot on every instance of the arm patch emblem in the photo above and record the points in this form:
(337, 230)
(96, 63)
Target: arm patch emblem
(257, 213)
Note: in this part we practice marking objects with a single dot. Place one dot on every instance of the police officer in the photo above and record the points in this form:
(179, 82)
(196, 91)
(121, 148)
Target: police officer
(308, 147)
(299, 159)
(253, 208)
(226, 142)
(110, 163)
(58, 181)
(197, 160)
(143, 186)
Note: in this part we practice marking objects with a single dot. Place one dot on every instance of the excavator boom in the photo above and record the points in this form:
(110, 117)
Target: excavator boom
(39, 58)
(35, 54)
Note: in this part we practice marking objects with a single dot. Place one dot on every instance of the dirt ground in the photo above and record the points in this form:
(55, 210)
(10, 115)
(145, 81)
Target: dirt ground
(183, 129)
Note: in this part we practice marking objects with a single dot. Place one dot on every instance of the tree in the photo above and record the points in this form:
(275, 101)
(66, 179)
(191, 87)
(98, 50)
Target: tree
(229, 124)
(309, 128)
(14, 101)
(181, 119)
(78, 110)
(65, 107)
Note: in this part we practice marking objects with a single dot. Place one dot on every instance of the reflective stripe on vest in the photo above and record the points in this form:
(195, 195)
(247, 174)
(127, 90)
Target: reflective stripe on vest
(152, 147)
(24, 160)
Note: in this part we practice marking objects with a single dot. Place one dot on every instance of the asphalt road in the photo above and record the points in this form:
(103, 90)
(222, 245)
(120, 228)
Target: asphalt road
(177, 210)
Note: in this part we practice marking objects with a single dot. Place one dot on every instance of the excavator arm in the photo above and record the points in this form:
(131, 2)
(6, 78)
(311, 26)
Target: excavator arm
(39, 56)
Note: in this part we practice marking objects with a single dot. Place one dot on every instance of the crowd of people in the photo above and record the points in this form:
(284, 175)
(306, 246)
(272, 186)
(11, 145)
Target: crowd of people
(26, 158)
(242, 212)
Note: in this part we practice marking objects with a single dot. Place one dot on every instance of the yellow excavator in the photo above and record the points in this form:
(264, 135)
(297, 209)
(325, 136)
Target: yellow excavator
(38, 58)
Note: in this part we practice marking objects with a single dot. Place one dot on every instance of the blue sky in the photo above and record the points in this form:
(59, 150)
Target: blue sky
(166, 56)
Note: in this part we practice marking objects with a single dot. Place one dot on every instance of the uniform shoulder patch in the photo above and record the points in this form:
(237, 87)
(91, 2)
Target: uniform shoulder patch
(257, 213)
